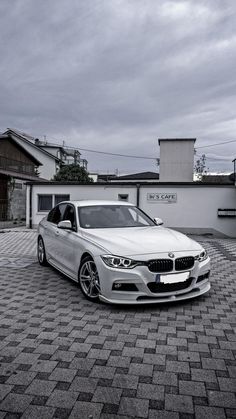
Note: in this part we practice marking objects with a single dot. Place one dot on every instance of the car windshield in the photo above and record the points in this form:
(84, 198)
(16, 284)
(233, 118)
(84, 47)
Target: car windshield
(113, 216)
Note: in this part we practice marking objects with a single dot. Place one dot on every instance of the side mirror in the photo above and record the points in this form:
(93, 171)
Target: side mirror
(158, 221)
(65, 225)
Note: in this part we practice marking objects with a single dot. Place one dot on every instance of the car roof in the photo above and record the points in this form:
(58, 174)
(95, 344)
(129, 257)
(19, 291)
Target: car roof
(86, 203)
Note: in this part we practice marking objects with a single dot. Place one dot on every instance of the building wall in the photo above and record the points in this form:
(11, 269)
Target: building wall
(48, 168)
(194, 207)
(176, 160)
(17, 200)
(12, 158)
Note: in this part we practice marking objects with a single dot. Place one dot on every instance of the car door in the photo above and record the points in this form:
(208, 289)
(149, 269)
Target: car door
(50, 230)
(67, 243)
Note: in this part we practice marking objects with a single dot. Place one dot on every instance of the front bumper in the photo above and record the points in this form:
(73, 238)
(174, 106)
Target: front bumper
(141, 278)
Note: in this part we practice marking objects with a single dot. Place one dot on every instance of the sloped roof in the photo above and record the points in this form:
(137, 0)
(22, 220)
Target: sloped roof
(31, 157)
(224, 179)
(29, 140)
(142, 175)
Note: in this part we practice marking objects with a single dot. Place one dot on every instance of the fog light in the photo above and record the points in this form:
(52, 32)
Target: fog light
(117, 285)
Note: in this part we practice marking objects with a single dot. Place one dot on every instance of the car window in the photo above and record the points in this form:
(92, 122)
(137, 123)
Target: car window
(69, 214)
(112, 216)
(56, 214)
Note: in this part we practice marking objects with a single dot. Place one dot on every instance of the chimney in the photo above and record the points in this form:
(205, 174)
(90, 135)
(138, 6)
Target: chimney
(176, 159)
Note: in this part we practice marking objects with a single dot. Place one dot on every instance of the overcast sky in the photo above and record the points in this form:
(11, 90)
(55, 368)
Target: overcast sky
(116, 75)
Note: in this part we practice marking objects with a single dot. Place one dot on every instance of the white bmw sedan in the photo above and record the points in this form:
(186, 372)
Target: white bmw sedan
(118, 254)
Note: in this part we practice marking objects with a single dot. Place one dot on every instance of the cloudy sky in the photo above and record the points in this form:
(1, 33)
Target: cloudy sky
(116, 75)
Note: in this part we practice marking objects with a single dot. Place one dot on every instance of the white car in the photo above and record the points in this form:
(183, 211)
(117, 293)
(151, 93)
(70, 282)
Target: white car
(118, 254)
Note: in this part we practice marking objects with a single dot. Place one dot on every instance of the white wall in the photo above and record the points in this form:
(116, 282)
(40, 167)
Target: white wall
(48, 168)
(76, 192)
(176, 160)
(196, 206)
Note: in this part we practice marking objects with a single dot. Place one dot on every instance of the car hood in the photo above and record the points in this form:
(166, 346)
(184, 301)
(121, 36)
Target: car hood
(141, 240)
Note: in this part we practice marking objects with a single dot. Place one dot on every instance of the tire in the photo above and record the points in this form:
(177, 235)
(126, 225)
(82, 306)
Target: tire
(41, 252)
(88, 279)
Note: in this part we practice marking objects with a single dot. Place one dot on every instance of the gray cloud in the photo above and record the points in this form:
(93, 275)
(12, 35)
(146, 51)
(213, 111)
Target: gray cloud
(116, 75)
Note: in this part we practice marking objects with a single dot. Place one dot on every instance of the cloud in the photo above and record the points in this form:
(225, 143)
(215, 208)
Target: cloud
(117, 75)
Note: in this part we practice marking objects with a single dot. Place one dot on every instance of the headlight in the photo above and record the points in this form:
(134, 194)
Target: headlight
(119, 262)
(202, 256)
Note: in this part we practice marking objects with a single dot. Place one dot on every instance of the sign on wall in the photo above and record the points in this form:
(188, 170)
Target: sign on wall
(162, 197)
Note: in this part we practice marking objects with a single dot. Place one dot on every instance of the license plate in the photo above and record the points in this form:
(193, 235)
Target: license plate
(172, 278)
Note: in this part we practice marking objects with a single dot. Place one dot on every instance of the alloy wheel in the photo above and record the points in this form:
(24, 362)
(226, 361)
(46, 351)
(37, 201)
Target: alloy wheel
(89, 279)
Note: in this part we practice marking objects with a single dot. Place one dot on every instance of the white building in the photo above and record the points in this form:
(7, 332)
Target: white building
(188, 206)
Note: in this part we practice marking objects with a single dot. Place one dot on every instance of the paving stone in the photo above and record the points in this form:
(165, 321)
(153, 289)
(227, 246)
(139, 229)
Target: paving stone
(205, 412)
(133, 352)
(86, 410)
(192, 388)
(150, 391)
(44, 366)
(110, 395)
(99, 353)
(165, 378)
(4, 390)
(84, 384)
(102, 372)
(154, 359)
(39, 412)
(188, 356)
(162, 414)
(141, 369)
(125, 381)
(63, 374)
(177, 366)
(64, 399)
(227, 384)
(15, 402)
(119, 361)
(179, 403)
(21, 377)
(41, 387)
(133, 407)
(203, 375)
(222, 399)
(213, 364)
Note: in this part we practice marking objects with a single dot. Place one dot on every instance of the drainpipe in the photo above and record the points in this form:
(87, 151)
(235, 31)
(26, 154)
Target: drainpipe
(138, 194)
(30, 207)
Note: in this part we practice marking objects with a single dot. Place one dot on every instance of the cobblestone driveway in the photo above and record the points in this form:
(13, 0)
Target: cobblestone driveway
(64, 357)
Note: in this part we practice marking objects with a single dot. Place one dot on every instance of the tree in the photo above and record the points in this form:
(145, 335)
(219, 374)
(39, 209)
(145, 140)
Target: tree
(200, 167)
(73, 172)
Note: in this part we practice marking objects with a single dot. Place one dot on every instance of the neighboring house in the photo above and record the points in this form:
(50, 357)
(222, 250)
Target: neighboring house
(137, 177)
(17, 166)
(65, 154)
(52, 156)
(49, 163)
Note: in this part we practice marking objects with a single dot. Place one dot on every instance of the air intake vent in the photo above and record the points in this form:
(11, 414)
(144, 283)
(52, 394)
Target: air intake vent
(160, 265)
(178, 286)
(182, 264)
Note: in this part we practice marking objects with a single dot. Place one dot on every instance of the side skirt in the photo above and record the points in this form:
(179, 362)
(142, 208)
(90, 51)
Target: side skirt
(62, 270)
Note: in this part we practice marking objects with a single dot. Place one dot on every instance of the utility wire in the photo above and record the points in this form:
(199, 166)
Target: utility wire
(137, 157)
(212, 145)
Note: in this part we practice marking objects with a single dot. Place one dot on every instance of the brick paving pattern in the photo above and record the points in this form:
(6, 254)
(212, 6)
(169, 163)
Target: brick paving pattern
(64, 357)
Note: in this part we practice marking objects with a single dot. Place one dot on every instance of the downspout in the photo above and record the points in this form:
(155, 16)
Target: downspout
(30, 207)
(138, 194)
